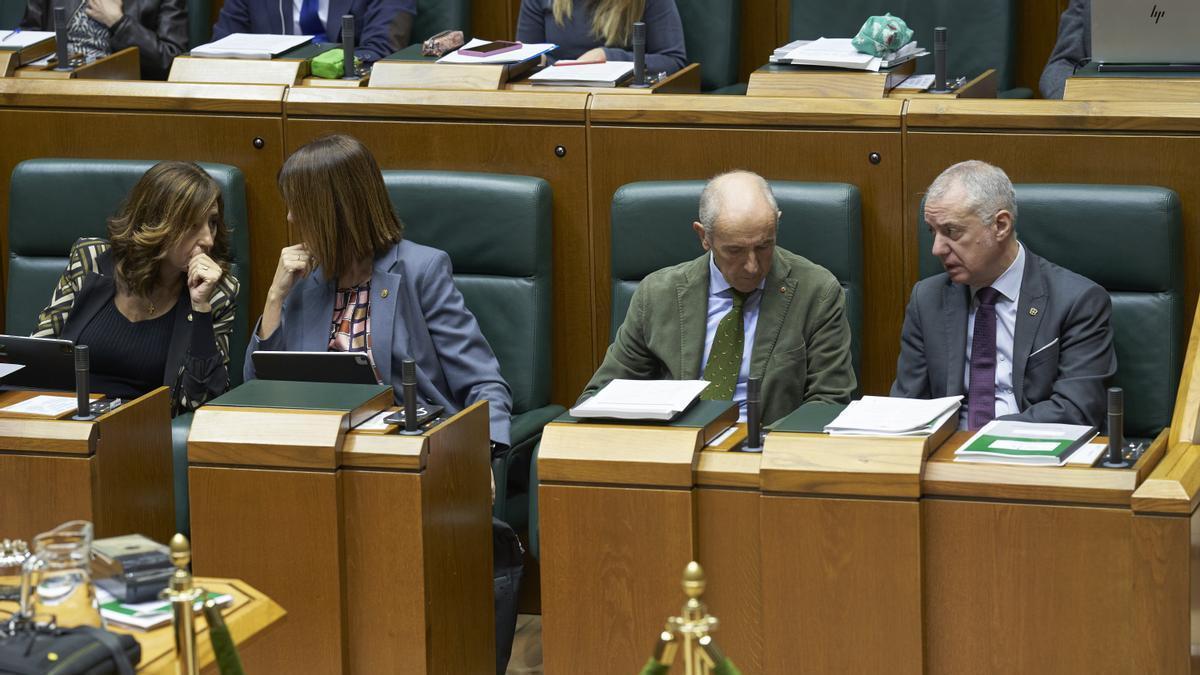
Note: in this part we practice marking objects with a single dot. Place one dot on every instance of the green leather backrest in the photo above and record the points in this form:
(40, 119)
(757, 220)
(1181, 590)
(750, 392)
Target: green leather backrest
(652, 229)
(11, 13)
(1128, 239)
(710, 36)
(435, 16)
(53, 202)
(497, 230)
(981, 33)
(199, 22)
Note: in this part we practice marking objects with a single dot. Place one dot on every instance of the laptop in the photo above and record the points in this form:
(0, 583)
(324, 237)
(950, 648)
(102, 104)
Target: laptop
(337, 367)
(48, 363)
(1145, 32)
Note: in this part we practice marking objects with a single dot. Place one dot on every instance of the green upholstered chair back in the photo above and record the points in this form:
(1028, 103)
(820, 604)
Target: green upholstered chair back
(651, 229)
(1128, 239)
(710, 35)
(981, 32)
(53, 202)
(497, 230)
(199, 22)
(435, 16)
(11, 13)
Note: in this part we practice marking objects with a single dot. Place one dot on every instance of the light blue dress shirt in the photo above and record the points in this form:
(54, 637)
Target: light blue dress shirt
(720, 301)
(1009, 287)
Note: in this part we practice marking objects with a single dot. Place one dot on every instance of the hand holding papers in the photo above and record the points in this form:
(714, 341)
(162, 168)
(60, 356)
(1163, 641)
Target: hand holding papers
(884, 416)
(641, 399)
(1027, 443)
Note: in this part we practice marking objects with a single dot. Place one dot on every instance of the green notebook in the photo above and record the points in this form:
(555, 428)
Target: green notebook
(300, 395)
(698, 415)
(1024, 443)
(809, 418)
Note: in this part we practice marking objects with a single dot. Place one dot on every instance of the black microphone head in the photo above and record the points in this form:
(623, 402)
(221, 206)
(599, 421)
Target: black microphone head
(60, 17)
(408, 372)
(639, 32)
(754, 389)
(939, 36)
(1116, 400)
(81, 357)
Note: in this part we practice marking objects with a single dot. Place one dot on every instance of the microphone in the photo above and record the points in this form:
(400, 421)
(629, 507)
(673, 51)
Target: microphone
(348, 48)
(639, 55)
(753, 415)
(408, 383)
(83, 402)
(60, 42)
(1114, 459)
(939, 61)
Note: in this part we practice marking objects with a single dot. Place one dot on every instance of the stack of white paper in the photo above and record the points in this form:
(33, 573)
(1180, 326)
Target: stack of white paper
(585, 75)
(250, 46)
(840, 53)
(526, 52)
(641, 399)
(14, 39)
(884, 416)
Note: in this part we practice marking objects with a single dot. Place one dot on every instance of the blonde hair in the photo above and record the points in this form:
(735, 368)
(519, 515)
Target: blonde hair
(167, 202)
(612, 20)
(335, 193)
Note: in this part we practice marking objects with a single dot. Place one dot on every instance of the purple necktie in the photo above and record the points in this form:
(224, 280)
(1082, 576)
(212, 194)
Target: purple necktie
(981, 397)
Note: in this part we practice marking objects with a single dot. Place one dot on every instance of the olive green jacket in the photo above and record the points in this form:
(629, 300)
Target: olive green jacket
(801, 345)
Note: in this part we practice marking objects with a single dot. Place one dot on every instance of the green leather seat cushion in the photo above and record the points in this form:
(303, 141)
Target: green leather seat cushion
(435, 16)
(711, 32)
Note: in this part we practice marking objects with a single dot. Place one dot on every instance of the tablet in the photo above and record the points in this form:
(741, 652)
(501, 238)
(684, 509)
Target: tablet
(341, 367)
(47, 363)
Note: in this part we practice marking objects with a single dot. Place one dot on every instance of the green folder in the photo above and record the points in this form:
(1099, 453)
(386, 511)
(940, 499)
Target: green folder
(699, 415)
(301, 395)
(809, 418)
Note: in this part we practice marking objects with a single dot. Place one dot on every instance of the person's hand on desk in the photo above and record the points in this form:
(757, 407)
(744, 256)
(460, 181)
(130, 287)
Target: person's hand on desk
(295, 262)
(107, 12)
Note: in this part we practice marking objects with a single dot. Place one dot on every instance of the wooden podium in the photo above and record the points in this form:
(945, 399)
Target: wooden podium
(617, 525)
(114, 471)
(378, 545)
(122, 65)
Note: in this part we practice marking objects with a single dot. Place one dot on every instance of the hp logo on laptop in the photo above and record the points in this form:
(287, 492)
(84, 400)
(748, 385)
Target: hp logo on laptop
(1156, 13)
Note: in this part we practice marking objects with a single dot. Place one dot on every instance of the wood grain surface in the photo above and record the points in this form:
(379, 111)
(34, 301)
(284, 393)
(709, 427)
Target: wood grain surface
(286, 72)
(727, 547)
(264, 437)
(873, 466)
(616, 453)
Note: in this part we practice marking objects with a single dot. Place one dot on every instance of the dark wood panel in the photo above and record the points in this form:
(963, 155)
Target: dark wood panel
(621, 155)
(1037, 30)
(37, 493)
(505, 148)
(728, 548)
(1164, 562)
(841, 585)
(134, 472)
(1019, 588)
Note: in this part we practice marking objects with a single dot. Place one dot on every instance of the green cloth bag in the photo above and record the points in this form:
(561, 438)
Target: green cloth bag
(329, 65)
(881, 35)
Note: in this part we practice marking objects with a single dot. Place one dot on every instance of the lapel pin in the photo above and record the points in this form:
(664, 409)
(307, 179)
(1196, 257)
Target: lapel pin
(189, 316)
(1033, 311)
(383, 293)
(783, 289)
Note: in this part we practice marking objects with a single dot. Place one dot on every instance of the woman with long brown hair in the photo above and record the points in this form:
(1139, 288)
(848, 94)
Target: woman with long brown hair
(354, 283)
(154, 302)
(602, 30)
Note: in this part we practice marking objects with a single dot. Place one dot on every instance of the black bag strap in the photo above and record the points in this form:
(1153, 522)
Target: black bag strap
(110, 641)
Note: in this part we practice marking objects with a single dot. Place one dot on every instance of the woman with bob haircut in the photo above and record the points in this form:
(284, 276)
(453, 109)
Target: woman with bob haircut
(355, 284)
(154, 303)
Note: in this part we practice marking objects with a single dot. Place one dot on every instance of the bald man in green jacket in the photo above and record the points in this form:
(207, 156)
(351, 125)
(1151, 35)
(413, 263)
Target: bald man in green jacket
(746, 308)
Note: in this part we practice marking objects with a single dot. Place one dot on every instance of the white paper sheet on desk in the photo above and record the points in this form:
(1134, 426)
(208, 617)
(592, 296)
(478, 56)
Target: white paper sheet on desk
(832, 53)
(50, 406)
(589, 74)
(1087, 455)
(376, 423)
(7, 369)
(916, 82)
(10, 39)
(875, 415)
(526, 52)
(250, 46)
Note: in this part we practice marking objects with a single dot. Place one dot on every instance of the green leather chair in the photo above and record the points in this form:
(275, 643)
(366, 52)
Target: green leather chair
(711, 30)
(435, 16)
(42, 225)
(1128, 239)
(200, 22)
(497, 230)
(982, 34)
(11, 13)
(651, 229)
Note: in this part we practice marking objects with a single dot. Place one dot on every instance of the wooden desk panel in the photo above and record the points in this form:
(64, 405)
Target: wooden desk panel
(727, 547)
(55, 489)
(525, 149)
(816, 149)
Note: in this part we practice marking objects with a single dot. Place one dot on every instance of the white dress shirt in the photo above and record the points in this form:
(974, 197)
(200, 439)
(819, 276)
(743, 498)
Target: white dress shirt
(1009, 287)
(322, 14)
(720, 301)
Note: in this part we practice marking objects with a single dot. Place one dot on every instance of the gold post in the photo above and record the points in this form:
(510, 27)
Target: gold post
(700, 653)
(183, 596)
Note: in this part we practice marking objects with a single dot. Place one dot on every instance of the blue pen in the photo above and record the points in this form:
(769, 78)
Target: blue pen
(14, 32)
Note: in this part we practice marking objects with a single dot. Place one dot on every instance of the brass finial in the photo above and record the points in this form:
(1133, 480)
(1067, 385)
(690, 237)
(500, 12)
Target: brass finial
(181, 556)
(183, 596)
(693, 580)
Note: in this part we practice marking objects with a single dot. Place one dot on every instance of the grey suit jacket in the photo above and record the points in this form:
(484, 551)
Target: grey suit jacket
(801, 345)
(1062, 344)
(1072, 49)
(417, 313)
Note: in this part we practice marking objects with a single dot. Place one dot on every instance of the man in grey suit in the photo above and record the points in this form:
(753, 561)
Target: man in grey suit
(747, 307)
(1072, 49)
(1022, 338)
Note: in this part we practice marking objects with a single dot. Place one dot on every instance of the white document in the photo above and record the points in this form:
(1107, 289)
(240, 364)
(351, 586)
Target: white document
(1087, 455)
(376, 423)
(887, 416)
(641, 399)
(7, 369)
(50, 406)
(585, 75)
(526, 52)
(833, 53)
(250, 46)
(11, 39)
(916, 82)
(1031, 446)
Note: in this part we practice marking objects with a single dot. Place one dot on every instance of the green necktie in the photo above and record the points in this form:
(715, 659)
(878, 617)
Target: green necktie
(725, 357)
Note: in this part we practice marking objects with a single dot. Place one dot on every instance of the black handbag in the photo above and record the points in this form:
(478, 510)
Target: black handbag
(68, 651)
